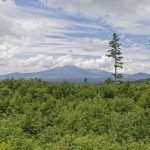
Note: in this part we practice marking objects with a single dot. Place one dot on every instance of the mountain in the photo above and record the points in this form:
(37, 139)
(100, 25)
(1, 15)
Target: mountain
(137, 76)
(72, 73)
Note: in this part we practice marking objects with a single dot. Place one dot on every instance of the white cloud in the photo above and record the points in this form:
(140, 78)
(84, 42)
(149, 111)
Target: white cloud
(43, 62)
(24, 31)
(130, 16)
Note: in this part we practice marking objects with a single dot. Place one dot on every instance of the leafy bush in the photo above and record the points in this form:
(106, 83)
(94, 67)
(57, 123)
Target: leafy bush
(39, 115)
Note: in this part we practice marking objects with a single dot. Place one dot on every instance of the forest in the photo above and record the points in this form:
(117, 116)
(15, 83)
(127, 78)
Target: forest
(40, 115)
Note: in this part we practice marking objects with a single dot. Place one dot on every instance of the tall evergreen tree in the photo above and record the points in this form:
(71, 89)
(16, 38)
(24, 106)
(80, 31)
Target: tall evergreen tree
(115, 53)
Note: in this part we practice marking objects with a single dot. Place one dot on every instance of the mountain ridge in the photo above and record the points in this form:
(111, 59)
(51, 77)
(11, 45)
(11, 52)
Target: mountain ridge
(72, 73)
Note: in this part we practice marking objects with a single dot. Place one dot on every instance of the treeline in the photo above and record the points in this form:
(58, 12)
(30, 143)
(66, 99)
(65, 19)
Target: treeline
(38, 115)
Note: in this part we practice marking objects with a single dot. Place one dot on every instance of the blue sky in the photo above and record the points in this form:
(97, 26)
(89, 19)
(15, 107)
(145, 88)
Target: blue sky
(41, 34)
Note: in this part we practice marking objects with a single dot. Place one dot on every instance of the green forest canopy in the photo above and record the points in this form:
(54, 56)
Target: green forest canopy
(38, 115)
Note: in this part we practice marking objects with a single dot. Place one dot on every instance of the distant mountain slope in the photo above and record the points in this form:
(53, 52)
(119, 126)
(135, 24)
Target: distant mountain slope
(138, 76)
(59, 73)
(72, 73)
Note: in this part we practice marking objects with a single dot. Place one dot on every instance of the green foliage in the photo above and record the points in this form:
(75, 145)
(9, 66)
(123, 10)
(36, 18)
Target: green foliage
(115, 53)
(40, 115)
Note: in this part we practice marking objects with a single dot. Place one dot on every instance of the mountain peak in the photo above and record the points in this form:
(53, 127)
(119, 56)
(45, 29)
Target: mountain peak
(70, 66)
(73, 73)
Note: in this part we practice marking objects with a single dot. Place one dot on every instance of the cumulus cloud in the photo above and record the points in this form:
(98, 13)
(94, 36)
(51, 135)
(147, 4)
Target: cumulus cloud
(44, 62)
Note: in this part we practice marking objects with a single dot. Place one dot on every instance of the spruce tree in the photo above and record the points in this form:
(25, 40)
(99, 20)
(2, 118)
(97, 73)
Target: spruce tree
(115, 53)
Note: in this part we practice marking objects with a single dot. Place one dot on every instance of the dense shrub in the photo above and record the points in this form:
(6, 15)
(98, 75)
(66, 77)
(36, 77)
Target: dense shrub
(40, 115)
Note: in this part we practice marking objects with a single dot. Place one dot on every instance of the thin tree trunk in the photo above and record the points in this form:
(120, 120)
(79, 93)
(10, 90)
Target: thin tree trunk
(115, 77)
(115, 82)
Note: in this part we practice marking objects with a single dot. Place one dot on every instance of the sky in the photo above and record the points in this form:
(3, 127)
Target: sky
(37, 35)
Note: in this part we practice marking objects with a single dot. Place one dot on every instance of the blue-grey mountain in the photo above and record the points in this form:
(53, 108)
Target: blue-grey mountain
(72, 73)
